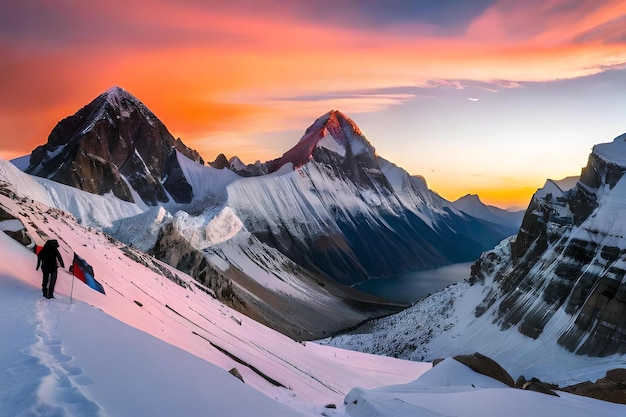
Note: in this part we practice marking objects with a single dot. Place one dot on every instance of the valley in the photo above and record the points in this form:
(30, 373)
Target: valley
(414, 286)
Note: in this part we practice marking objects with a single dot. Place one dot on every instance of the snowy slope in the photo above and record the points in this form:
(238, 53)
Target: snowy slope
(166, 304)
(444, 325)
(89, 209)
(157, 344)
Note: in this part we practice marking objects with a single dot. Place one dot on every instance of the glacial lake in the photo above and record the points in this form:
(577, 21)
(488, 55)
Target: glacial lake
(413, 286)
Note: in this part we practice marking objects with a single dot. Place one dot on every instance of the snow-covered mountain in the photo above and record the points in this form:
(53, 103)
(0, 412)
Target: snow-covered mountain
(332, 204)
(159, 343)
(548, 302)
(115, 144)
(281, 241)
(472, 205)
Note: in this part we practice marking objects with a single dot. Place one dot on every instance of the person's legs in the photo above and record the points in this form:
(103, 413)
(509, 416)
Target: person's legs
(53, 281)
(45, 282)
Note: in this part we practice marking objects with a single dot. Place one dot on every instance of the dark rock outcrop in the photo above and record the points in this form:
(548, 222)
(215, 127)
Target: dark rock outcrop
(115, 139)
(220, 162)
(486, 366)
(539, 386)
(610, 388)
(20, 235)
(235, 372)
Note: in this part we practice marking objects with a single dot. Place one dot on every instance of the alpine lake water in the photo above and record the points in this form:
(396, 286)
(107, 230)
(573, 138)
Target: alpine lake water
(413, 286)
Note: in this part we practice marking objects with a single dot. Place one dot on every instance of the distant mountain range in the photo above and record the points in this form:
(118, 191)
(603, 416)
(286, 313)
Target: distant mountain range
(472, 205)
(287, 235)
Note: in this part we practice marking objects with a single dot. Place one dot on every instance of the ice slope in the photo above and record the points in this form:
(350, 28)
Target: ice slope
(323, 220)
(208, 183)
(158, 344)
(414, 194)
(614, 152)
(89, 209)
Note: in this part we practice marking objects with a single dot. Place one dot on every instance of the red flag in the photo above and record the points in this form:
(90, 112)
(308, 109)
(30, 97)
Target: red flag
(84, 272)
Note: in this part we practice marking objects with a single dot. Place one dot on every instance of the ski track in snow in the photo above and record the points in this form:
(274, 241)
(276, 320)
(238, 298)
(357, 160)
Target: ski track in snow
(57, 385)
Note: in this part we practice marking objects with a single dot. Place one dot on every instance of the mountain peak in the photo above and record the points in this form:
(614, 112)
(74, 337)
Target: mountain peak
(111, 143)
(333, 131)
(469, 198)
(116, 90)
(343, 130)
(336, 116)
(612, 152)
(123, 102)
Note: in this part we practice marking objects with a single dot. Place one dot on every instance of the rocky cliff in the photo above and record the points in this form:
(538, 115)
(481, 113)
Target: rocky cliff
(565, 269)
(115, 144)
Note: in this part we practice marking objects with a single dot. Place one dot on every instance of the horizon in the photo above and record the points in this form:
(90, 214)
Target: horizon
(490, 98)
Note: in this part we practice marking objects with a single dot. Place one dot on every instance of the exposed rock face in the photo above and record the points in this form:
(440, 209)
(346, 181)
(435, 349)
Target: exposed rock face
(569, 256)
(610, 388)
(16, 233)
(539, 386)
(220, 162)
(235, 372)
(113, 140)
(486, 366)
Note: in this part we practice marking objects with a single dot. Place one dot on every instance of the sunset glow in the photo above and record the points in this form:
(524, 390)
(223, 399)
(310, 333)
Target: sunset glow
(489, 98)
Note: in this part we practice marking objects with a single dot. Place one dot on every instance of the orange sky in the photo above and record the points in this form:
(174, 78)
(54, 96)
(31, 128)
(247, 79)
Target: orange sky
(246, 80)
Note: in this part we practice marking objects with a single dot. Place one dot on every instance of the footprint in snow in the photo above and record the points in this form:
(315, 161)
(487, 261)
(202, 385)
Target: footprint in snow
(58, 380)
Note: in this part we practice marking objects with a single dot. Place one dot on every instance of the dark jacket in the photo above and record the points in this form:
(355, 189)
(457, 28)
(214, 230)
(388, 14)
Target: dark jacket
(48, 256)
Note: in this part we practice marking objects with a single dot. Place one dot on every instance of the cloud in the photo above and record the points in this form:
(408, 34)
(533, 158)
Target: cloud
(611, 32)
(203, 66)
(457, 85)
(473, 99)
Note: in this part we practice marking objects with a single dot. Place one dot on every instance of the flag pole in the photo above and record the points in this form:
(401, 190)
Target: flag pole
(72, 290)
